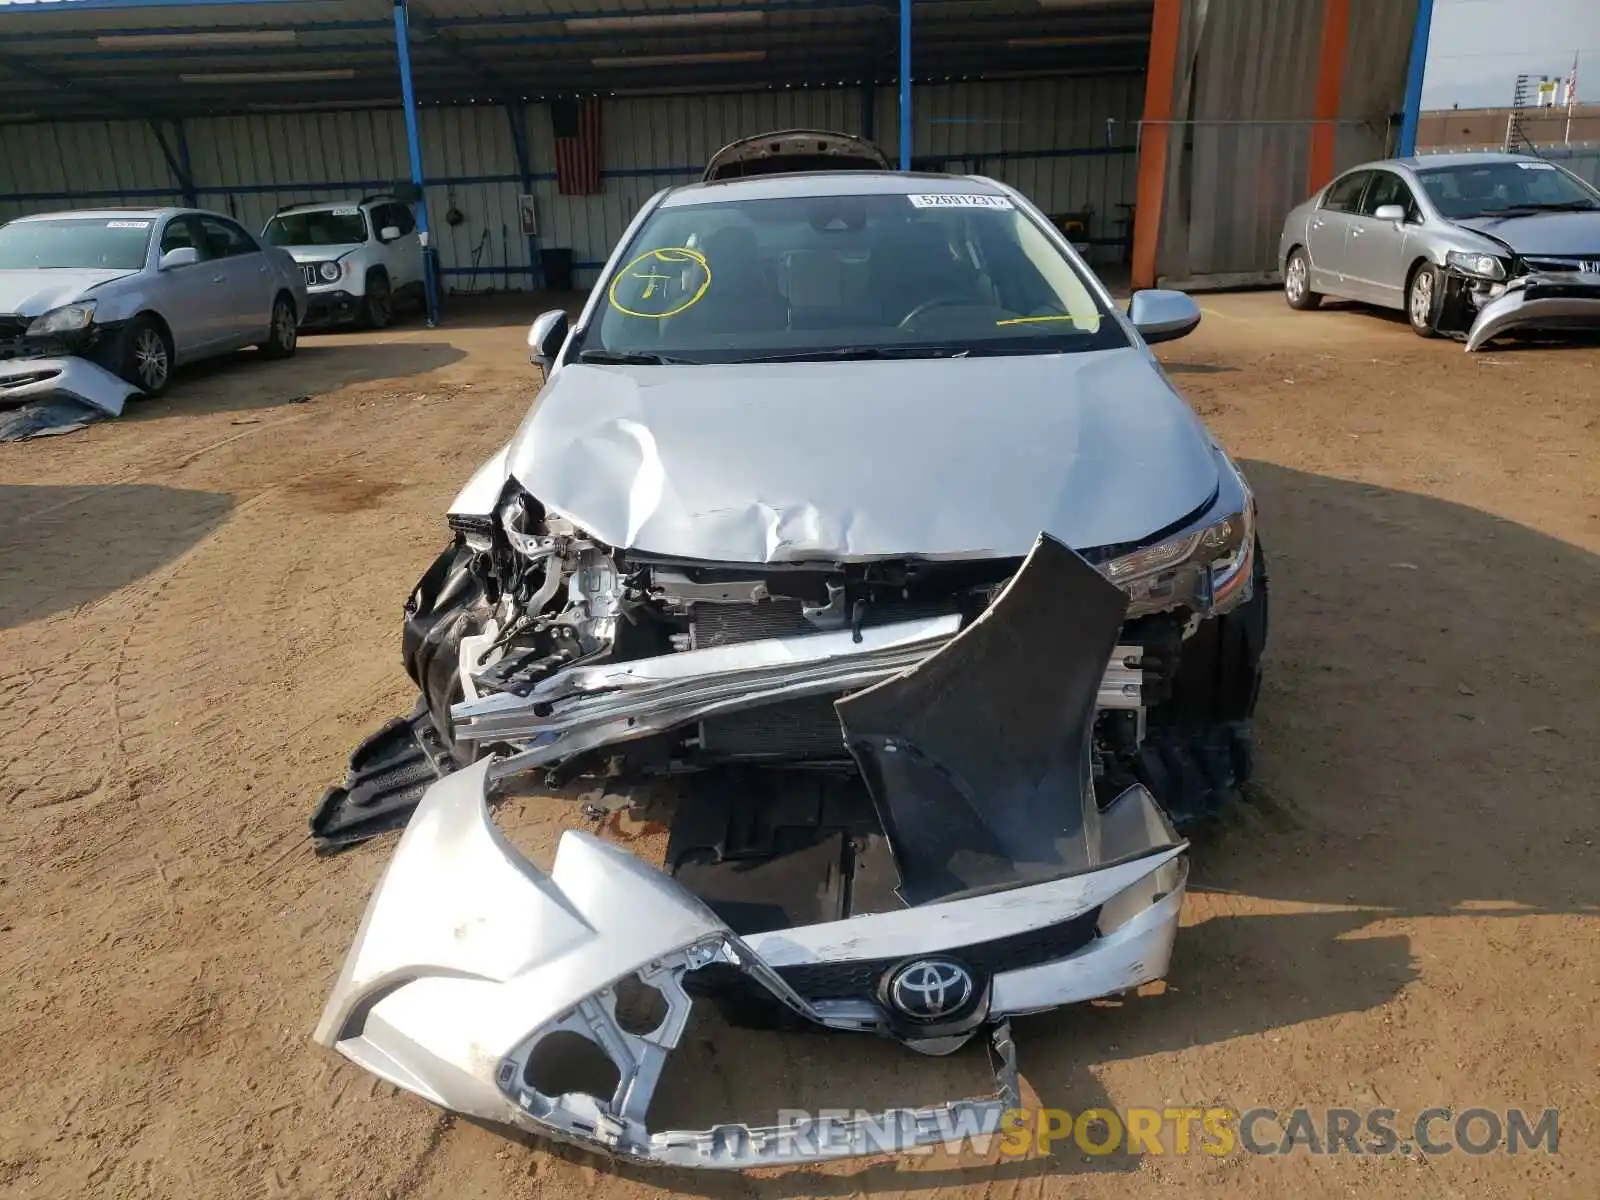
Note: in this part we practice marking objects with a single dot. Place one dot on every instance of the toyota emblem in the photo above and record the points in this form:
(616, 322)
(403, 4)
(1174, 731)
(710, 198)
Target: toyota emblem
(930, 988)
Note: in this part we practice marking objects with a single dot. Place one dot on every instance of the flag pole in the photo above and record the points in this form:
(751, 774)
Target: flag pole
(1572, 96)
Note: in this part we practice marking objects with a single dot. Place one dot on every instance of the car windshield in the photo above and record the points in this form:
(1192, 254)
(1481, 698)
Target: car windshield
(321, 227)
(76, 243)
(1490, 188)
(846, 276)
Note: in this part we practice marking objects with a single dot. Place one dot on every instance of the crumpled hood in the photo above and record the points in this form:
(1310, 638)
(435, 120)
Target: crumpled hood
(945, 458)
(31, 293)
(1553, 233)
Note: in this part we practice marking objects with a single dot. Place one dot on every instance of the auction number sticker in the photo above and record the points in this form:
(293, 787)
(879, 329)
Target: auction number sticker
(127, 224)
(660, 283)
(350, 211)
(1536, 166)
(959, 200)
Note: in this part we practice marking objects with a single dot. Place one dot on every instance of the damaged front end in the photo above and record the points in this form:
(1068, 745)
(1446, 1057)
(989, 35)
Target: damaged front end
(1539, 300)
(53, 394)
(964, 871)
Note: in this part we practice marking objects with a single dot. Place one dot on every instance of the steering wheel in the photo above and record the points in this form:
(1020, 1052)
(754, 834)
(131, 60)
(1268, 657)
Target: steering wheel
(936, 302)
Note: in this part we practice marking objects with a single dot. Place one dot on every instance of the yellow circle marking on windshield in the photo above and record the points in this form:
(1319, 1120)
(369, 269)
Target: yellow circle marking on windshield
(659, 293)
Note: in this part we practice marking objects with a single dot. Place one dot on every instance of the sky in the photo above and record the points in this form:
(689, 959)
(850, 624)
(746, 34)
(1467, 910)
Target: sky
(1478, 47)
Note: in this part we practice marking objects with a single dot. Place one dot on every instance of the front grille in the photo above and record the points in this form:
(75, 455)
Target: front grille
(309, 270)
(858, 979)
(12, 327)
(1565, 262)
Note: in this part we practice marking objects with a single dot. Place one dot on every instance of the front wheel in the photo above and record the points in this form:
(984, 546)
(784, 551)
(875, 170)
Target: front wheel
(377, 306)
(1297, 282)
(1423, 295)
(285, 332)
(146, 360)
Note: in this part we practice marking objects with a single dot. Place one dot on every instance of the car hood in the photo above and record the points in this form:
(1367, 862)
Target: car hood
(793, 462)
(315, 254)
(1554, 233)
(30, 293)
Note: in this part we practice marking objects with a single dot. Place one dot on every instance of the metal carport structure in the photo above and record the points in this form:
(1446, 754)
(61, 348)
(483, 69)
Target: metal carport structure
(275, 101)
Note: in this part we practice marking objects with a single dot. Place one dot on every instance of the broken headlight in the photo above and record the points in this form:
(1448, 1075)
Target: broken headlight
(1206, 565)
(1479, 266)
(69, 318)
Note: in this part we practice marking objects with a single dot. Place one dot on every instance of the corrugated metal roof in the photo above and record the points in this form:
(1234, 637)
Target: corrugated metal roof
(100, 58)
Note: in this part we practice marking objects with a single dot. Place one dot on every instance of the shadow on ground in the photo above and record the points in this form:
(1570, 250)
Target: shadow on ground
(1425, 748)
(244, 381)
(61, 547)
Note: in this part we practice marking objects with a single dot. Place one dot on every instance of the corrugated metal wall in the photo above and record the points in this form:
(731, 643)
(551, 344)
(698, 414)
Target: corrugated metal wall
(1240, 154)
(1050, 138)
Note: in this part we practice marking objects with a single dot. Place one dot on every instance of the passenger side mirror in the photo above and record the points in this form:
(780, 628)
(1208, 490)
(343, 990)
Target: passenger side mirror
(389, 233)
(1163, 316)
(546, 336)
(179, 256)
(1395, 213)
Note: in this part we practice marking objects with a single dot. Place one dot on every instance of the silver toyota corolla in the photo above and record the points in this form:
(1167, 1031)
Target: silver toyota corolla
(854, 504)
(1468, 245)
(99, 304)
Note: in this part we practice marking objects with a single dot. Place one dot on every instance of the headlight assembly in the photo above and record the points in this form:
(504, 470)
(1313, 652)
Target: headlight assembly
(69, 318)
(1479, 266)
(1204, 568)
(330, 271)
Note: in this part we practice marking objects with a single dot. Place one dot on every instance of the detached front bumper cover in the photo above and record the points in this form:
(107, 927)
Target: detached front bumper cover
(1555, 300)
(54, 395)
(544, 1001)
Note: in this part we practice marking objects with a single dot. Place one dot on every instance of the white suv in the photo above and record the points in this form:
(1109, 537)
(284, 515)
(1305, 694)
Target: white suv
(359, 257)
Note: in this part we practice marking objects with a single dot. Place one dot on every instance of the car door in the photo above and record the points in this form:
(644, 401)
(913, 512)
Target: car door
(243, 279)
(1375, 252)
(185, 296)
(404, 255)
(1329, 230)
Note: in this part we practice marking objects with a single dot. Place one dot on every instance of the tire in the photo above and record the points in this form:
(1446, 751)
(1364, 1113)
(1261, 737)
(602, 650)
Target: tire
(377, 306)
(145, 358)
(1424, 297)
(284, 335)
(1297, 282)
(1199, 746)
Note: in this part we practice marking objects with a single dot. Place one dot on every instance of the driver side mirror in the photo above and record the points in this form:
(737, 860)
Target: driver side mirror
(1163, 316)
(389, 233)
(179, 256)
(546, 336)
(1393, 213)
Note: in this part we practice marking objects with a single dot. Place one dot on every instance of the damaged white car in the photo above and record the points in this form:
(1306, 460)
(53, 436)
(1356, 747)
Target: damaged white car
(854, 502)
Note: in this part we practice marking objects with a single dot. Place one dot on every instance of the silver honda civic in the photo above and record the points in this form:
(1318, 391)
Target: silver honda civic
(1467, 245)
(854, 504)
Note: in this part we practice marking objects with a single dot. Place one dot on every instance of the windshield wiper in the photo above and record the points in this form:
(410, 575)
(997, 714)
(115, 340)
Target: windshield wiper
(632, 358)
(1552, 206)
(859, 353)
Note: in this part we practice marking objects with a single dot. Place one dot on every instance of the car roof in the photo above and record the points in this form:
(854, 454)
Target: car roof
(323, 205)
(829, 183)
(1465, 158)
(143, 213)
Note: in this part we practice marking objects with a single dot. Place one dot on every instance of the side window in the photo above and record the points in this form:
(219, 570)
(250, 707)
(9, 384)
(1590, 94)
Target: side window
(224, 239)
(402, 219)
(1345, 194)
(1387, 188)
(179, 234)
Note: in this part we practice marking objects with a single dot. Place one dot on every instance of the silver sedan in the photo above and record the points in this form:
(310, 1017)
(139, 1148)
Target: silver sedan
(1468, 245)
(97, 304)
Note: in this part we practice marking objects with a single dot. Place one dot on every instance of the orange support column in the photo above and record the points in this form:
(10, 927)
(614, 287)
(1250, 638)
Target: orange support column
(1330, 84)
(1154, 138)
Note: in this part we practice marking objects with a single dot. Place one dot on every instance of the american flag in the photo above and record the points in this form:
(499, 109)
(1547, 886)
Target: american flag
(576, 127)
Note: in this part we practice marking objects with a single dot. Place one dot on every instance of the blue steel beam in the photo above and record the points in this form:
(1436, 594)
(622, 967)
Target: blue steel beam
(177, 156)
(402, 45)
(1414, 75)
(517, 115)
(905, 85)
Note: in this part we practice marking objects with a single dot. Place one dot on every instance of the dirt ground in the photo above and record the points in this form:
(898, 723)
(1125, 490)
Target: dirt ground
(199, 616)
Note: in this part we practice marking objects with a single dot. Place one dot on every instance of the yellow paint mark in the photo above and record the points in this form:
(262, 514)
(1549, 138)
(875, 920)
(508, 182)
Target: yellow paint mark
(641, 269)
(1091, 323)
